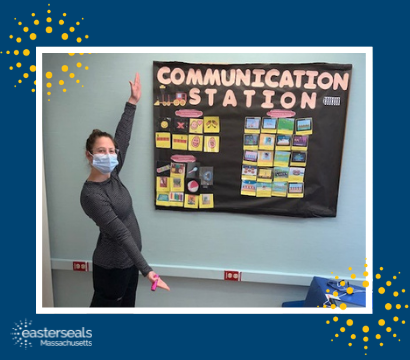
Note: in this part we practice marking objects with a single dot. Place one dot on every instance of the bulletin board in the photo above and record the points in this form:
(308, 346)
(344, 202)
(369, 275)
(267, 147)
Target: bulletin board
(249, 138)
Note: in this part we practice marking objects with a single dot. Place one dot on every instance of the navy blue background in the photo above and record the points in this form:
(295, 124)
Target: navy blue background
(224, 24)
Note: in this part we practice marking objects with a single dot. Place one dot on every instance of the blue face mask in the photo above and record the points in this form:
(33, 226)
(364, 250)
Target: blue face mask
(105, 163)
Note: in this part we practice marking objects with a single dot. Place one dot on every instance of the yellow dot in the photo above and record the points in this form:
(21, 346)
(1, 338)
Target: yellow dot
(49, 29)
(26, 52)
(33, 68)
(33, 14)
(79, 40)
(78, 81)
(336, 277)
(25, 29)
(49, 93)
(365, 347)
(18, 65)
(327, 290)
(64, 68)
(64, 36)
(64, 90)
(11, 67)
(335, 293)
(20, 22)
(61, 82)
(86, 36)
(381, 269)
(16, 52)
(388, 306)
(350, 344)
(11, 36)
(7, 52)
(365, 265)
(403, 291)
(18, 40)
(398, 306)
(396, 318)
(365, 329)
(394, 335)
(64, 14)
(77, 23)
(349, 322)
(378, 336)
(394, 277)
(365, 339)
(403, 322)
(342, 283)
(350, 268)
(49, 85)
(365, 273)
(71, 54)
(353, 336)
(349, 290)
(396, 294)
(335, 319)
(25, 75)
(406, 306)
(342, 329)
(381, 344)
(333, 306)
(353, 276)
(72, 75)
(35, 82)
(337, 335)
(48, 99)
(49, 11)
(33, 90)
(36, 22)
(381, 322)
(365, 283)
(33, 36)
(72, 29)
(327, 322)
(343, 306)
(49, 75)
(49, 19)
(381, 290)
(79, 65)
(388, 283)
(388, 329)
(86, 68)
(19, 81)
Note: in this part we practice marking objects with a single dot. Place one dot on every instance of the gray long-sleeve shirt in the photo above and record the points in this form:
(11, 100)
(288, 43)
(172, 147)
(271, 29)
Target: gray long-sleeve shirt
(109, 204)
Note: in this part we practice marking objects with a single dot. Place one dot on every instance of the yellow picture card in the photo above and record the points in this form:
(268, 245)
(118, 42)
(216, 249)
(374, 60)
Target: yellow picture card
(162, 199)
(196, 142)
(211, 124)
(191, 201)
(206, 201)
(163, 140)
(266, 142)
(176, 199)
(211, 144)
(177, 184)
(196, 126)
(265, 158)
(179, 142)
(163, 184)
(263, 189)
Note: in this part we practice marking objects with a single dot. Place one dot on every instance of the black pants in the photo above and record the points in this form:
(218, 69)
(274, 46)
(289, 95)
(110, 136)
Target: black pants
(114, 287)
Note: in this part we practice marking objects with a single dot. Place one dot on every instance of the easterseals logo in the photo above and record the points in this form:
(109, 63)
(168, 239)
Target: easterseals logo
(24, 337)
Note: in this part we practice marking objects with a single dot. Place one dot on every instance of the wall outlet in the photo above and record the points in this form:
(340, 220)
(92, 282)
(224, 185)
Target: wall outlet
(232, 275)
(80, 266)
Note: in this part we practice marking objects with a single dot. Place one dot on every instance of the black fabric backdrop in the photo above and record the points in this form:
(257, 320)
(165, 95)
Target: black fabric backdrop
(321, 181)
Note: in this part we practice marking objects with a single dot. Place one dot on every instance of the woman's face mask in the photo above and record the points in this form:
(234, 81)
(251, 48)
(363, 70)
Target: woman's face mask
(105, 163)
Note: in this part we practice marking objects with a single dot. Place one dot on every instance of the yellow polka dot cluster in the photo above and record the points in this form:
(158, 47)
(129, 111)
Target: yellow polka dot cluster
(64, 77)
(384, 328)
(39, 25)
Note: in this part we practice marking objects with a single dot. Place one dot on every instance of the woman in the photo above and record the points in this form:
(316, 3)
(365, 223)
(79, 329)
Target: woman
(117, 257)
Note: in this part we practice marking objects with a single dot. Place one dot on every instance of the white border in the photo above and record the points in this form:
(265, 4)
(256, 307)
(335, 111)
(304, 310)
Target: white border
(368, 51)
